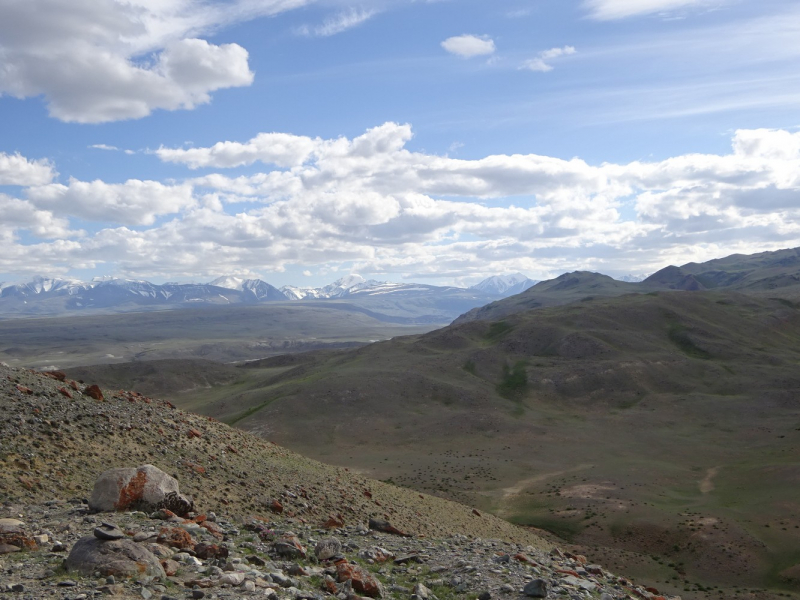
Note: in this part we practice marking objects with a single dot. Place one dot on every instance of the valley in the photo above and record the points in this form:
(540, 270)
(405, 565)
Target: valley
(656, 431)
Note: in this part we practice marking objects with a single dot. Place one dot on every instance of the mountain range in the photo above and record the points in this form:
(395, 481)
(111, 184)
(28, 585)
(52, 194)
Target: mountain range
(411, 302)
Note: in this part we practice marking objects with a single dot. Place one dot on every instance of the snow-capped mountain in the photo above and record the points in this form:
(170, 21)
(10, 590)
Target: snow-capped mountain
(504, 285)
(229, 282)
(632, 278)
(298, 293)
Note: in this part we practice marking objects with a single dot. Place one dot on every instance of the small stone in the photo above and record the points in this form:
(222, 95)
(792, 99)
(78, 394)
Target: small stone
(485, 596)
(422, 592)
(235, 579)
(41, 539)
(197, 594)
(249, 586)
(58, 547)
(17, 587)
(145, 593)
(67, 583)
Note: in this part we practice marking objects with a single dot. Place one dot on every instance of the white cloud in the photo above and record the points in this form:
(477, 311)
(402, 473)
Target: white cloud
(102, 60)
(338, 23)
(18, 170)
(104, 147)
(19, 214)
(372, 202)
(134, 202)
(468, 46)
(281, 149)
(607, 10)
(541, 64)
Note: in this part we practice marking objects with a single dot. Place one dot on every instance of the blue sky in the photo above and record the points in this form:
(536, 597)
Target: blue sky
(440, 141)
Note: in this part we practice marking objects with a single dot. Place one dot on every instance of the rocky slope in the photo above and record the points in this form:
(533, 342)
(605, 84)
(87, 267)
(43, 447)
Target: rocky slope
(273, 524)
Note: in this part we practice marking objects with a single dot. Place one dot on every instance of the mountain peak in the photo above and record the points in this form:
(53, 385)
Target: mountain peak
(504, 285)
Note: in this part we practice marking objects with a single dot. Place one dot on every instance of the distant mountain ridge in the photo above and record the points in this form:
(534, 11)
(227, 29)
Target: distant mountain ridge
(413, 302)
(765, 274)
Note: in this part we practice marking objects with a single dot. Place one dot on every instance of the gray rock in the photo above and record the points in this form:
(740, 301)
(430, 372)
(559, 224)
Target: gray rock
(327, 548)
(422, 592)
(108, 531)
(121, 558)
(145, 488)
(536, 588)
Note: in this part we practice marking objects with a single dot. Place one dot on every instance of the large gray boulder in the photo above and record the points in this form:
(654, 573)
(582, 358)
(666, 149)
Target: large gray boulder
(120, 558)
(145, 488)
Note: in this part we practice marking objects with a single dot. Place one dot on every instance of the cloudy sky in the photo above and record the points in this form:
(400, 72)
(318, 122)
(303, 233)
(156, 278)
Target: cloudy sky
(437, 141)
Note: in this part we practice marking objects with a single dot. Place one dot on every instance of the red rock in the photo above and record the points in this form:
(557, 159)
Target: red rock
(74, 385)
(368, 494)
(213, 529)
(362, 581)
(65, 392)
(524, 559)
(334, 522)
(194, 433)
(206, 551)
(24, 389)
(386, 527)
(57, 375)
(170, 567)
(475, 512)
(94, 391)
(652, 590)
(175, 537)
(568, 572)
(329, 585)
(276, 507)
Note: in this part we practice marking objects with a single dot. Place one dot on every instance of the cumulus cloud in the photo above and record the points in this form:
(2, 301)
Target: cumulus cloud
(19, 214)
(15, 169)
(374, 203)
(281, 149)
(542, 64)
(134, 202)
(607, 10)
(468, 46)
(97, 61)
(338, 23)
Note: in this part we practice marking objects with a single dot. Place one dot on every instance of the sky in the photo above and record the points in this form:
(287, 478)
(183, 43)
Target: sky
(438, 141)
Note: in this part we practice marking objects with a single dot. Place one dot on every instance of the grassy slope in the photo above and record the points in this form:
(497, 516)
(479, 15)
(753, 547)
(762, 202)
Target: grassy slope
(639, 423)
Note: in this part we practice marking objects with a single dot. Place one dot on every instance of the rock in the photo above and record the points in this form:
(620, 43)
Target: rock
(121, 558)
(536, 588)
(422, 592)
(41, 539)
(333, 522)
(249, 586)
(327, 548)
(93, 391)
(206, 551)
(276, 507)
(235, 579)
(362, 581)
(13, 537)
(376, 554)
(386, 527)
(289, 545)
(485, 596)
(108, 531)
(175, 537)
(145, 488)
(170, 567)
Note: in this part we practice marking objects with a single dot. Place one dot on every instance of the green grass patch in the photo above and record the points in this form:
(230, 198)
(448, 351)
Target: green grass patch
(679, 337)
(469, 367)
(498, 329)
(566, 530)
(251, 411)
(514, 381)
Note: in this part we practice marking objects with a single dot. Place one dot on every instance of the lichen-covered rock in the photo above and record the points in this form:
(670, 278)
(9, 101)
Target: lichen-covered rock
(120, 558)
(145, 488)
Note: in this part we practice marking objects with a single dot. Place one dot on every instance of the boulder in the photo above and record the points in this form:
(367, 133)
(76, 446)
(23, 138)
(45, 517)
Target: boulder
(536, 588)
(120, 558)
(327, 548)
(145, 488)
(362, 581)
(13, 536)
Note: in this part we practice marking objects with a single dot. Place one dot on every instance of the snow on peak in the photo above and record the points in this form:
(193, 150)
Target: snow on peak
(508, 284)
(228, 282)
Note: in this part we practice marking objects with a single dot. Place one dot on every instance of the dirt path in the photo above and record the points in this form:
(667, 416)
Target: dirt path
(707, 483)
(524, 483)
